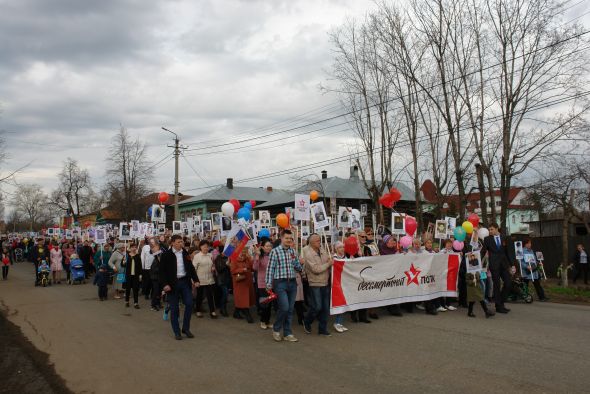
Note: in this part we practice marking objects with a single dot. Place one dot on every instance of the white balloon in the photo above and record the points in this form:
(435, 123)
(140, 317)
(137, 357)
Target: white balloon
(483, 232)
(227, 209)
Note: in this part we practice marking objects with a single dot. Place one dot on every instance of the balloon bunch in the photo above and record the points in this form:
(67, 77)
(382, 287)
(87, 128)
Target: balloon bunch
(390, 199)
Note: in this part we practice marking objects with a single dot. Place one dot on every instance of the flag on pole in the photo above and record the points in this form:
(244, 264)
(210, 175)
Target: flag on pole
(235, 243)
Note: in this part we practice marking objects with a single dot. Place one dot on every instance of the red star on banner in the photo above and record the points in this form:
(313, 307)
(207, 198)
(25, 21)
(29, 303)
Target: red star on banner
(413, 275)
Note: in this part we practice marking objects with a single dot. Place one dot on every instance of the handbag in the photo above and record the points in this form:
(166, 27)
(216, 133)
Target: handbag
(240, 277)
(121, 275)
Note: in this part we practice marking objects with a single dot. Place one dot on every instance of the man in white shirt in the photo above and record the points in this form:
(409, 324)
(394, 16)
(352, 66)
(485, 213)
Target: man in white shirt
(178, 277)
(146, 263)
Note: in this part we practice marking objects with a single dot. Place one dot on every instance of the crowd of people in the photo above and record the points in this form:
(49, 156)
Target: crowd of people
(273, 276)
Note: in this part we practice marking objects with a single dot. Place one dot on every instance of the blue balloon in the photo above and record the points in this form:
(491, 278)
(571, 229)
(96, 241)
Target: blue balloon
(150, 211)
(459, 234)
(264, 233)
(244, 213)
(248, 205)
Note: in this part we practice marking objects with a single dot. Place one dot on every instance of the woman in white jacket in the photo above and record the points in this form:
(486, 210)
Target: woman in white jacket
(203, 264)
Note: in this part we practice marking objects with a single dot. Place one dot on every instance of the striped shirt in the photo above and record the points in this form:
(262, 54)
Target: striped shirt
(282, 264)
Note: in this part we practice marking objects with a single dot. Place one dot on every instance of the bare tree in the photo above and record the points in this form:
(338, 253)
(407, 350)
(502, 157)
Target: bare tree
(30, 201)
(128, 174)
(361, 72)
(73, 190)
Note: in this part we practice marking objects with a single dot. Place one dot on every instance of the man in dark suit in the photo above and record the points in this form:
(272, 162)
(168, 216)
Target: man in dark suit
(177, 278)
(499, 264)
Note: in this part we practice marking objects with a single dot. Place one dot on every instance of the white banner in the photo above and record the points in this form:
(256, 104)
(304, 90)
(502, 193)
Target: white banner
(371, 282)
(302, 211)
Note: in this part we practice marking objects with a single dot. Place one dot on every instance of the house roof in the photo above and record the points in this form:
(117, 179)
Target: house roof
(473, 199)
(240, 193)
(342, 188)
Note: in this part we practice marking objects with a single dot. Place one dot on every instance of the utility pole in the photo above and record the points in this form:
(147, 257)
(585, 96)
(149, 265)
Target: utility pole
(176, 183)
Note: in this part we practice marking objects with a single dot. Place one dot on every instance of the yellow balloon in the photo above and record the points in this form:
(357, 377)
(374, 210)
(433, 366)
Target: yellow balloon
(468, 227)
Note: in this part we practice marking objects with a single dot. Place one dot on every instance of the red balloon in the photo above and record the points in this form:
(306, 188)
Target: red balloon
(351, 246)
(163, 197)
(386, 200)
(87, 223)
(253, 203)
(473, 219)
(65, 226)
(395, 194)
(236, 204)
(411, 225)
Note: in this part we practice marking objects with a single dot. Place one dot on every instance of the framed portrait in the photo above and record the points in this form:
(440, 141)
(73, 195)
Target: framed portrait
(124, 231)
(158, 214)
(161, 229)
(206, 226)
(176, 229)
(473, 260)
(69, 234)
(355, 219)
(333, 206)
(50, 231)
(364, 210)
(135, 228)
(518, 250)
(451, 224)
(344, 217)
(100, 236)
(318, 213)
(252, 235)
(264, 217)
(327, 230)
(398, 224)
(474, 242)
(274, 232)
(216, 220)
(304, 232)
(440, 229)
(540, 256)
(149, 229)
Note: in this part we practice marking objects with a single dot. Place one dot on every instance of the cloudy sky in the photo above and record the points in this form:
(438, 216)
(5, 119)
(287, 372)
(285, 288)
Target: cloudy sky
(214, 71)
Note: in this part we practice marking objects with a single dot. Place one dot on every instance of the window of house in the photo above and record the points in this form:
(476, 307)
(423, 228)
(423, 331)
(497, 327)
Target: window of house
(498, 203)
(513, 219)
(581, 230)
(522, 219)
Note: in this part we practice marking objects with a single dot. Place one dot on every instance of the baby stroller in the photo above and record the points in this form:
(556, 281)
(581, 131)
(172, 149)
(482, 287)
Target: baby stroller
(520, 291)
(43, 274)
(77, 274)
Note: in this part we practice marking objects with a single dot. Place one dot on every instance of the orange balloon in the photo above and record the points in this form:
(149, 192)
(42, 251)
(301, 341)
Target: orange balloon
(282, 220)
(313, 195)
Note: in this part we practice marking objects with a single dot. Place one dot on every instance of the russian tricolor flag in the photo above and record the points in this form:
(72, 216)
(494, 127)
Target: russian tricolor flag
(235, 243)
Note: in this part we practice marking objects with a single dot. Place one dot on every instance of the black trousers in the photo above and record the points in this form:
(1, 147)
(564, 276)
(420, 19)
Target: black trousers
(538, 288)
(5, 271)
(146, 284)
(582, 268)
(202, 292)
(132, 283)
(483, 306)
(156, 293)
(500, 293)
(102, 291)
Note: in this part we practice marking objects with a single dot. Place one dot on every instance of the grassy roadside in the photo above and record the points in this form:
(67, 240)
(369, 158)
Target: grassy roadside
(573, 294)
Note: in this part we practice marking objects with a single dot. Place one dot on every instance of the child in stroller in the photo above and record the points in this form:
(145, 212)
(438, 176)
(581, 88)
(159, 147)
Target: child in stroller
(519, 290)
(43, 272)
(77, 273)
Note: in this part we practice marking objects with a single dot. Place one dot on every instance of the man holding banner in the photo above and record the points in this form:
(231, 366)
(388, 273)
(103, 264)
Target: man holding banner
(317, 267)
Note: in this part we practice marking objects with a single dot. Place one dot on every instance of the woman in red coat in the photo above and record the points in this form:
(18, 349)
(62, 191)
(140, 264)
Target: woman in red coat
(241, 272)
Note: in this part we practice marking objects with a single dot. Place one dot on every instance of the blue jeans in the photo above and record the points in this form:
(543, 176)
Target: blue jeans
(339, 319)
(286, 291)
(319, 307)
(182, 289)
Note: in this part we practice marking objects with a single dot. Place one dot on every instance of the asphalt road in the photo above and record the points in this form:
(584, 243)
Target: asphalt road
(103, 347)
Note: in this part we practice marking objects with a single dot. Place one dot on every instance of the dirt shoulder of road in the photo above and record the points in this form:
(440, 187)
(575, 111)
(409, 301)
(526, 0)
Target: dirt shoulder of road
(24, 368)
(576, 294)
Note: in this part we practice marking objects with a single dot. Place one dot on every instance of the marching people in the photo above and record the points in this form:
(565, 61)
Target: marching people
(261, 258)
(241, 271)
(5, 263)
(317, 264)
(154, 273)
(499, 266)
(339, 318)
(133, 270)
(67, 251)
(222, 278)
(85, 254)
(116, 264)
(101, 280)
(178, 277)
(205, 271)
(55, 257)
(39, 253)
(475, 294)
(530, 269)
(280, 277)
(146, 264)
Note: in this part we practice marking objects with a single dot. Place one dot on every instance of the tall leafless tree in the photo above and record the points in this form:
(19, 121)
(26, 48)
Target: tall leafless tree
(128, 174)
(30, 201)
